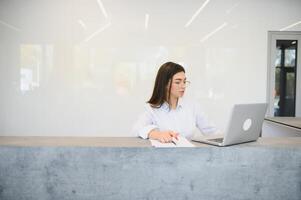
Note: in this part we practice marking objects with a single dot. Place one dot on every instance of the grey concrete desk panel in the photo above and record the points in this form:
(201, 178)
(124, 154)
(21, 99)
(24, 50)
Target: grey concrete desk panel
(267, 169)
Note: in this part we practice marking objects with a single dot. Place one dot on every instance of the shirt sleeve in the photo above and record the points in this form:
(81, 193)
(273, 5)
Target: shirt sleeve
(202, 122)
(144, 124)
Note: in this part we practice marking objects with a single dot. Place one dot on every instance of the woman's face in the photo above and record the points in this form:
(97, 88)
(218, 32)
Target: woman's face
(178, 85)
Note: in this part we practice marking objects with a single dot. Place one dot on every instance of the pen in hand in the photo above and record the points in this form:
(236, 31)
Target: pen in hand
(174, 140)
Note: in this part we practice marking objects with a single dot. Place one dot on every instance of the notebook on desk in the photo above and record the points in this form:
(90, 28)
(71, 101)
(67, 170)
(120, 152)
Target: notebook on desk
(181, 142)
(244, 126)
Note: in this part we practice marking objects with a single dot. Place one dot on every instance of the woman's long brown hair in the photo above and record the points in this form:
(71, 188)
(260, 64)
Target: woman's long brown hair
(164, 76)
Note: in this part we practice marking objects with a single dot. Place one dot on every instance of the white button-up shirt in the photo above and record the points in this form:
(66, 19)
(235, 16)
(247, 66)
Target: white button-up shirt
(184, 120)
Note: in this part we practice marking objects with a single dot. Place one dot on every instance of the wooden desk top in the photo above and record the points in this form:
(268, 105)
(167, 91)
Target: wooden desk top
(126, 142)
(294, 122)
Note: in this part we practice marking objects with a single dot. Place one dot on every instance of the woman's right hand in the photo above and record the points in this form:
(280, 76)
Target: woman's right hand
(163, 136)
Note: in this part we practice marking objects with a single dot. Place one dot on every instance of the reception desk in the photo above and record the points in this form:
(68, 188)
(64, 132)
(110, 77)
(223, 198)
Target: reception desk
(281, 127)
(129, 168)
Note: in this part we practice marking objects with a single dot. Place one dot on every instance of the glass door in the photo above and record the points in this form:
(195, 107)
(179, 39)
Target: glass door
(284, 78)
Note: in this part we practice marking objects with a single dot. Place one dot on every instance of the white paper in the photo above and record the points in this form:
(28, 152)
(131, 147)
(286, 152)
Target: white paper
(156, 143)
(181, 142)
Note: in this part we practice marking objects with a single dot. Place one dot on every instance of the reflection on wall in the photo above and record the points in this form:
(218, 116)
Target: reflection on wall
(124, 78)
(33, 59)
(86, 68)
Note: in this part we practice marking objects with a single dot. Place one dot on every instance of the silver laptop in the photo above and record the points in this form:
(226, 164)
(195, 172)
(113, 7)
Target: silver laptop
(244, 126)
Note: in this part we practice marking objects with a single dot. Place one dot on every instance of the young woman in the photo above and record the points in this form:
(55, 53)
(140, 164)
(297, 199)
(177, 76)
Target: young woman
(167, 114)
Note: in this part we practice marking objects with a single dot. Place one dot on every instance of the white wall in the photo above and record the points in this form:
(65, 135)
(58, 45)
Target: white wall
(74, 68)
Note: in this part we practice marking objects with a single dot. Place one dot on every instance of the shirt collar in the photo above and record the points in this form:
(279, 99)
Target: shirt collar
(165, 105)
(180, 103)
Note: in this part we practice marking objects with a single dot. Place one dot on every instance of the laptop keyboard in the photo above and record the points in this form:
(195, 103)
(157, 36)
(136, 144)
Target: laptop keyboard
(219, 140)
